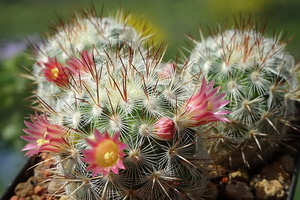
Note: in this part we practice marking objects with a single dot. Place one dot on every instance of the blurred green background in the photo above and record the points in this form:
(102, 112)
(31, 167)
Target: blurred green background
(172, 20)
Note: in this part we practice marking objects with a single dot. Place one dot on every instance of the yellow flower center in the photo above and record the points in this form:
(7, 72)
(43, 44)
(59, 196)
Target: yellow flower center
(209, 106)
(55, 72)
(42, 141)
(107, 153)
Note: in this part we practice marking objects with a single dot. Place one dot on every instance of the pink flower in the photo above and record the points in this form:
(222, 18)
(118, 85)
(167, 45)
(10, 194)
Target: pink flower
(203, 107)
(167, 72)
(105, 155)
(79, 66)
(164, 128)
(55, 72)
(43, 136)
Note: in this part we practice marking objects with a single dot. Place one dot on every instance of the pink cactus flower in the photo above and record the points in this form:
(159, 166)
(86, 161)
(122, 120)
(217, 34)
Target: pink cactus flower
(167, 72)
(203, 107)
(55, 72)
(83, 65)
(105, 155)
(164, 128)
(43, 136)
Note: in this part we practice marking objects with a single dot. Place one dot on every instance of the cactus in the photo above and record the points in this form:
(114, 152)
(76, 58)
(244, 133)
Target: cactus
(260, 80)
(119, 122)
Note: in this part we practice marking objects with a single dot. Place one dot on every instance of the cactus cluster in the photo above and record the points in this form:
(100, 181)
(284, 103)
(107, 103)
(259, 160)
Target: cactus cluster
(119, 122)
(260, 80)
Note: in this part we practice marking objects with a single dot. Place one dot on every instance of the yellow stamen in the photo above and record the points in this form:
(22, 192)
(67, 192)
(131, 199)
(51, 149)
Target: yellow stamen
(42, 141)
(107, 153)
(55, 72)
(209, 106)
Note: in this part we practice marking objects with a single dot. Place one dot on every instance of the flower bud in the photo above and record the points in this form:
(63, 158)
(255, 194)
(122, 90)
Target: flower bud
(164, 128)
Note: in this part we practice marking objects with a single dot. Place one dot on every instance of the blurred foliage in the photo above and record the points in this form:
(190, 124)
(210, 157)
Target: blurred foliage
(172, 20)
(13, 92)
(235, 7)
(13, 108)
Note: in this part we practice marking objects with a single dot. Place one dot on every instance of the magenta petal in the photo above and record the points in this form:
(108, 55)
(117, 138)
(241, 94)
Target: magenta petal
(120, 164)
(115, 169)
(49, 148)
(30, 125)
(202, 116)
(42, 118)
(34, 132)
(115, 137)
(122, 146)
(73, 63)
(219, 97)
(222, 103)
(30, 146)
(91, 143)
(88, 159)
(210, 85)
(86, 57)
(96, 172)
(48, 136)
(203, 84)
(31, 153)
(28, 138)
(224, 119)
(106, 135)
(54, 129)
(105, 172)
(212, 93)
(88, 152)
(121, 154)
(98, 136)
(222, 112)
(92, 166)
